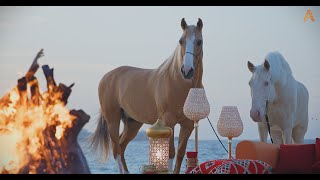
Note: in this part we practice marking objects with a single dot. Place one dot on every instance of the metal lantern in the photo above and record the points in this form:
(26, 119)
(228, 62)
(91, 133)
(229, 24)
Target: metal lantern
(230, 124)
(196, 107)
(159, 146)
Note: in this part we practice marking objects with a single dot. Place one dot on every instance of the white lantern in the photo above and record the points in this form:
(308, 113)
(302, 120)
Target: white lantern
(196, 107)
(230, 124)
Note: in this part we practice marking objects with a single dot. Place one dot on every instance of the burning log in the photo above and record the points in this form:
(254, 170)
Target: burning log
(52, 87)
(48, 73)
(35, 91)
(22, 83)
(66, 91)
(69, 158)
(34, 66)
(41, 132)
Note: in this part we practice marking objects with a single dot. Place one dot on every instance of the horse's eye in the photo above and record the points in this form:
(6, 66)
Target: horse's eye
(199, 42)
(266, 83)
(180, 41)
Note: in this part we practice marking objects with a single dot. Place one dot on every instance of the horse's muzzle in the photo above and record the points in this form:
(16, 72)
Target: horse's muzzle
(255, 116)
(188, 74)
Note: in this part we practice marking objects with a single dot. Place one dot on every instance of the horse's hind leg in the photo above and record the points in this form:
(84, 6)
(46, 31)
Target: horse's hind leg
(130, 130)
(113, 119)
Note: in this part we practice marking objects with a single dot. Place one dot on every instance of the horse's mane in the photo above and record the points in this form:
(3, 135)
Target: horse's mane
(279, 68)
(168, 65)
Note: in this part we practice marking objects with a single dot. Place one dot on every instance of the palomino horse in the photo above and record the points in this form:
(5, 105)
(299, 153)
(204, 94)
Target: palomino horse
(139, 96)
(288, 101)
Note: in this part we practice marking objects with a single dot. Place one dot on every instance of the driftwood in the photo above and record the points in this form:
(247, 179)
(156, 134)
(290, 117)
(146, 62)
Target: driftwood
(76, 161)
(63, 156)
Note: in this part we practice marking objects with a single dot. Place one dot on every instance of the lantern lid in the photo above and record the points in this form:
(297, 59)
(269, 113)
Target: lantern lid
(158, 130)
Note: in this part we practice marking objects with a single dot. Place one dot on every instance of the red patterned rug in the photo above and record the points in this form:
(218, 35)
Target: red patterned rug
(232, 166)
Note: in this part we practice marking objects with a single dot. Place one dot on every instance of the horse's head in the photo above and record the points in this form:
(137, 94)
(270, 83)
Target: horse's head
(191, 48)
(262, 89)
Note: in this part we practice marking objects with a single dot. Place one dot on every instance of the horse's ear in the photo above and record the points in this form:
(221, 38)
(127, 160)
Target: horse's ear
(266, 65)
(199, 24)
(251, 67)
(183, 24)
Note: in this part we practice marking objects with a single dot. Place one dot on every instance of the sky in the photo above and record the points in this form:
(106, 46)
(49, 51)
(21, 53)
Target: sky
(84, 43)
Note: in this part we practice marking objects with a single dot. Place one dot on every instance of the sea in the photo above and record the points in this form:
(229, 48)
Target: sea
(137, 153)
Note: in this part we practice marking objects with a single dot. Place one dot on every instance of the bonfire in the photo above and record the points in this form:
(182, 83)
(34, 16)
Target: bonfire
(38, 133)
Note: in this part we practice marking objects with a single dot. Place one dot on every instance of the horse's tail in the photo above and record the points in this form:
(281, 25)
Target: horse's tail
(100, 139)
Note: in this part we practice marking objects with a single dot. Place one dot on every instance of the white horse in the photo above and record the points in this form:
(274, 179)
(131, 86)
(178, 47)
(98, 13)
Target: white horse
(288, 101)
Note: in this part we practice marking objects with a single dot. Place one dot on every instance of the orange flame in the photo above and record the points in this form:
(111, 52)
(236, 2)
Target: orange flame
(22, 127)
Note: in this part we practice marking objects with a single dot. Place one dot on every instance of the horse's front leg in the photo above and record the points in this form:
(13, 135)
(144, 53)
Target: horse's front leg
(170, 121)
(277, 136)
(286, 127)
(186, 127)
(263, 131)
(287, 135)
(172, 151)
